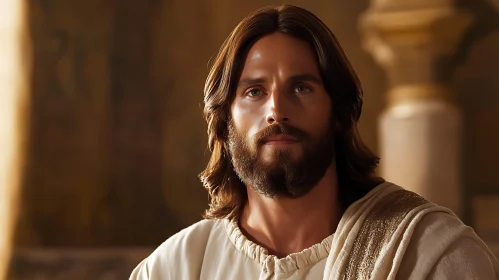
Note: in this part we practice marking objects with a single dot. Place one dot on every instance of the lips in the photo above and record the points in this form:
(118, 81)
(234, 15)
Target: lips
(280, 138)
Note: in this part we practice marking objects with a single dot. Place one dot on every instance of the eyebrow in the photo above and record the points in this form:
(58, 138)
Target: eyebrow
(247, 82)
(306, 78)
(295, 78)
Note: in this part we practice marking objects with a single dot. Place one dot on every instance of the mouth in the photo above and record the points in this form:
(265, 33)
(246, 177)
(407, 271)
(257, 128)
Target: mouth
(280, 139)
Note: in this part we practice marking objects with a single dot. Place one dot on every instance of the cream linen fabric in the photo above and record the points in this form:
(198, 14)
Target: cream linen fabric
(388, 234)
(218, 250)
(395, 234)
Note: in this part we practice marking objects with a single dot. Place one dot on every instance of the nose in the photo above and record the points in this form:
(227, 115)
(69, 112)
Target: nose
(278, 111)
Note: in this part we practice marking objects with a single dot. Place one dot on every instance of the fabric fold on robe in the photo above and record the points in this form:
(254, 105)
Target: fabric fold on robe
(373, 239)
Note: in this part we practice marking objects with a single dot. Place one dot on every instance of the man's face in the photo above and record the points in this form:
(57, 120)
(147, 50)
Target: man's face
(281, 131)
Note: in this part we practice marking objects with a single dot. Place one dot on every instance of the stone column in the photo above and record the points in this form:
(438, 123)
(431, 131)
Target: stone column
(420, 128)
(14, 90)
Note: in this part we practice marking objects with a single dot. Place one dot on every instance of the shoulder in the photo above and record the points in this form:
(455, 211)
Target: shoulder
(442, 246)
(185, 247)
(388, 203)
(192, 236)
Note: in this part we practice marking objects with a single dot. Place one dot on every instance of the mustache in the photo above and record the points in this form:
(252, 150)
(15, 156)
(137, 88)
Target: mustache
(276, 129)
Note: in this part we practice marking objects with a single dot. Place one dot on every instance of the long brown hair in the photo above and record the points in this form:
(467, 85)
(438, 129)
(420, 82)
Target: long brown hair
(355, 162)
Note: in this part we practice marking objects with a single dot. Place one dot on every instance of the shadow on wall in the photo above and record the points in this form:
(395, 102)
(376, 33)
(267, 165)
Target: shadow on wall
(95, 166)
(477, 88)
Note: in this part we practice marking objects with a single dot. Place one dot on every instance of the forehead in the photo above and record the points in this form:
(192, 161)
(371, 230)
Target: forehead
(281, 52)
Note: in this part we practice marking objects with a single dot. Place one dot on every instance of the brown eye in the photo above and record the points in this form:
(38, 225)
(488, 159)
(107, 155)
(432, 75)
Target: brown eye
(254, 92)
(302, 89)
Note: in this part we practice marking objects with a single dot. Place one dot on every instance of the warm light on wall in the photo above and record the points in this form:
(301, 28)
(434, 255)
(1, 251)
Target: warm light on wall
(14, 89)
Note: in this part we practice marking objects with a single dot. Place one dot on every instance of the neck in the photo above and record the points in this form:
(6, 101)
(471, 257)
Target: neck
(289, 225)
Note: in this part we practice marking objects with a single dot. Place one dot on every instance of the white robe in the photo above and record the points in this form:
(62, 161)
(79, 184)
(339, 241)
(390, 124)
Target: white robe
(388, 234)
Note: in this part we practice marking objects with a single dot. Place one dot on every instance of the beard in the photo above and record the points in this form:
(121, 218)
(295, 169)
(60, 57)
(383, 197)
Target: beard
(282, 176)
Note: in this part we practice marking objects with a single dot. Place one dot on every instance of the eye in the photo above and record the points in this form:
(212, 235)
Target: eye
(253, 92)
(302, 89)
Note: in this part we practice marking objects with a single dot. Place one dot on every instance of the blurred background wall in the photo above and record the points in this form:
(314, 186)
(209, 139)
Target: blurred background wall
(117, 135)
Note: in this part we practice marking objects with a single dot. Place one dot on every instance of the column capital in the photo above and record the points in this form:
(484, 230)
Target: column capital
(414, 42)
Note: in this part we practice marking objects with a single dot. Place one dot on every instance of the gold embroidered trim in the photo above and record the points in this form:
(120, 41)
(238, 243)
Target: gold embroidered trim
(376, 231)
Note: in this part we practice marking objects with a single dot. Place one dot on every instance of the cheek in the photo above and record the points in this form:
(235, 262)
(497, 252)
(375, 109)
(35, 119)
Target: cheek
(319, 117)
(245, 119)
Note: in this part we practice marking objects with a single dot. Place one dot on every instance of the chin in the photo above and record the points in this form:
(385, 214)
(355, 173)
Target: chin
(275, 161)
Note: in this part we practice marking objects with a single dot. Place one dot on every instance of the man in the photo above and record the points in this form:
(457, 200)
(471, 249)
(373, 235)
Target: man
(293, 189)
